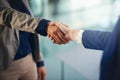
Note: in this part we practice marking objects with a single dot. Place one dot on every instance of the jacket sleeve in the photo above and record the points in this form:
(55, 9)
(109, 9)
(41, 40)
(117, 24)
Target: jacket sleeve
(37, 56)
(21, 21)
(95, 39)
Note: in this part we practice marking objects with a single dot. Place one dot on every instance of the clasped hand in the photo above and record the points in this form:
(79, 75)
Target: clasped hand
(60, 33)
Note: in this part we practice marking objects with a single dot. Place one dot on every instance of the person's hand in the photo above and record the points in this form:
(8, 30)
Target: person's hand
(56, 34)
(75, 35)
(72, 35)
(41, 73)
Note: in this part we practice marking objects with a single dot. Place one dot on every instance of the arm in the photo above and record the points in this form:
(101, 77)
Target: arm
(37, 56)
(95, 39)
(16, 20)
(90, 39)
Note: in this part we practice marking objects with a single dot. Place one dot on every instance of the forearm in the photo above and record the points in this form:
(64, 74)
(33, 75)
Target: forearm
(95, 39)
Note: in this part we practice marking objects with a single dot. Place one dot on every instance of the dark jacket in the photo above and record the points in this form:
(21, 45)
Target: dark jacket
(109, 42)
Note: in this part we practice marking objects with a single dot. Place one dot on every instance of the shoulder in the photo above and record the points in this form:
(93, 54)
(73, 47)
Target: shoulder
(4, 3)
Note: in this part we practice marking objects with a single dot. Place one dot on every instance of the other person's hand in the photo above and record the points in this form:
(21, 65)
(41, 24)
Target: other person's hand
(56, 34)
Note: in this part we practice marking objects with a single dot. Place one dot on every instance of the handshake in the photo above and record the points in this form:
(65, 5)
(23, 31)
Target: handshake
(61, 34)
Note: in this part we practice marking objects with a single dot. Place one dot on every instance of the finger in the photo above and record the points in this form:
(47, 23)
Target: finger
(49, 35)
(63, 28)
(64, 32)
(59, 26)
(65, 25)
(55, 39)
(59, 37)
(43, 76)
(62, 38)
(51, 38)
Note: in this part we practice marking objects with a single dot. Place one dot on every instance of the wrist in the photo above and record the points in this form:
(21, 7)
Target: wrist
(47, 27)
(73, 35)
(40, 64)
(41, 29)
(79, 36)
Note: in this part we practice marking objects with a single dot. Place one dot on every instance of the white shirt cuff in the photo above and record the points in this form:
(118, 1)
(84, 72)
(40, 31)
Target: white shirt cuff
(79, 36)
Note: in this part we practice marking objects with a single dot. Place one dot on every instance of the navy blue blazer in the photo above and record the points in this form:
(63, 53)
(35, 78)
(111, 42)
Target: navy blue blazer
(109, 42)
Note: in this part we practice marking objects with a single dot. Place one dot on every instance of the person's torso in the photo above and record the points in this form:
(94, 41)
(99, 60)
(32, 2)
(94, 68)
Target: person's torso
(9, 39)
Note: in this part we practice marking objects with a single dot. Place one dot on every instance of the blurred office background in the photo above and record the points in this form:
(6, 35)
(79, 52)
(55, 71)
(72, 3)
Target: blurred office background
(72, 61)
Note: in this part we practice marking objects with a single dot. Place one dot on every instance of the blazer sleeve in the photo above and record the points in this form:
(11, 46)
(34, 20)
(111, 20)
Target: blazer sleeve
(95, 39)
(37, 56)
(17, 20)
